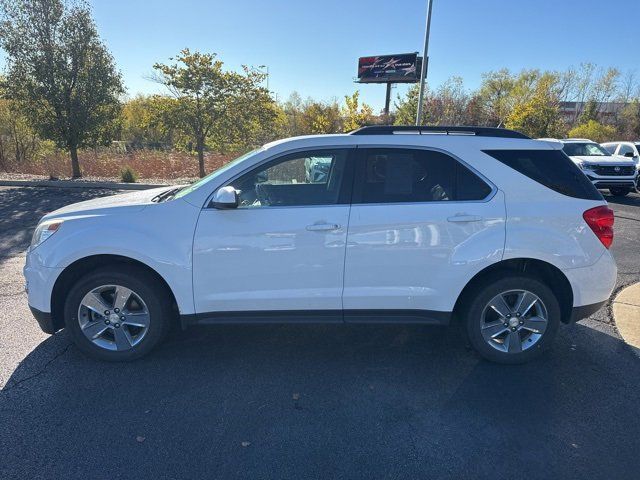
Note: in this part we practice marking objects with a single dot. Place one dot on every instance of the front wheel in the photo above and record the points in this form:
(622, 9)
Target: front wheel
(512, 319)
(619, 192)
(117, 313)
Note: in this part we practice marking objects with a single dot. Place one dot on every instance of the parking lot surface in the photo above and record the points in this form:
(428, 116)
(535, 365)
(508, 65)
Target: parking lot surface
(311, 401)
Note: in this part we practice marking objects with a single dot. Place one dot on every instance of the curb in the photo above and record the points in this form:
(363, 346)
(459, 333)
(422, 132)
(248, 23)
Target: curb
(626, 312)
(79, 184)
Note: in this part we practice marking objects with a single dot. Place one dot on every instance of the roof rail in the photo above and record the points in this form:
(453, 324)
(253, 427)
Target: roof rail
(435, 130)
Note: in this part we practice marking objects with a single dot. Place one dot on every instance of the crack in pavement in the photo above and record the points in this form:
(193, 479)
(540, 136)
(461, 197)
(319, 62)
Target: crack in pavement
(10, 386)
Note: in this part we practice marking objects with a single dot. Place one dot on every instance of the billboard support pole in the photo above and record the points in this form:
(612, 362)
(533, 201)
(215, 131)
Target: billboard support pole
(425, 62)
(387, 101)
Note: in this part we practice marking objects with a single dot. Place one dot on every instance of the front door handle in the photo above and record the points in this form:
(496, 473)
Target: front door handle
(322, 227)
(465, 218)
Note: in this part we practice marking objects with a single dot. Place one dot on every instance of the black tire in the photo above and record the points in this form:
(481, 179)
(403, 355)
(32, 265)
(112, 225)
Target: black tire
(619, 192)
(480, 297)
(145, 285)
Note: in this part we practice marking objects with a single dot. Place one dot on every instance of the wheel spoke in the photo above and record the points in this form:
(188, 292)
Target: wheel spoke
(93, 301)
(136, 319)
(513, 342)
(121, 296)
(119, 329)
(499, 305)
(493, 329)
(535, 324)
(526, 300)
(123, 338)
(95, 329)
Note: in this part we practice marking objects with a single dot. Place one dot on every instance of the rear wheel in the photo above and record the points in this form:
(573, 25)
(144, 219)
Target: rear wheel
(117, 313)
(619, 192)
(512, 319)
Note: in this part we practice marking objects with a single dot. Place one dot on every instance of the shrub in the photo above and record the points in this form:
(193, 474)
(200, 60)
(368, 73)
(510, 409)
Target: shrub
(593, 131)
(128, 175)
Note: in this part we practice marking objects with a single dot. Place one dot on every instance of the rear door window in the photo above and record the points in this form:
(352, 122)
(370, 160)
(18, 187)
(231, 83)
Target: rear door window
(551, 168)
(401, 175)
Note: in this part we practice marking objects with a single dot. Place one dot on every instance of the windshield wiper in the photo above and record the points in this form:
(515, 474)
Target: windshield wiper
(164, 196)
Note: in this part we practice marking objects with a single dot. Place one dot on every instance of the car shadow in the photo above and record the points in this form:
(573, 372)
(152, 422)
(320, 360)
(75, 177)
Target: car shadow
(325, 402)
(633, 199)
(22, 207)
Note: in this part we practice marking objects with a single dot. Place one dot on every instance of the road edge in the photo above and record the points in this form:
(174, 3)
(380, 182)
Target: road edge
(80, 184)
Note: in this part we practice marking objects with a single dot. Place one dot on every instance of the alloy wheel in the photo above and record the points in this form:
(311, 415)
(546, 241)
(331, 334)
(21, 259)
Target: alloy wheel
(113, 317)
(514, 321)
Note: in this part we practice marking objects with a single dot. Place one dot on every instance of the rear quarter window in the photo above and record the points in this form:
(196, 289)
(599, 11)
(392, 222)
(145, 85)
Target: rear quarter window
(551, 168)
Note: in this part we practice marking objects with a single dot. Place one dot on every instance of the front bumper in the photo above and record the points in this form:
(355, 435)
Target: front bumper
(611, 182)
(578, 313)
(44, 319)
(39, 282)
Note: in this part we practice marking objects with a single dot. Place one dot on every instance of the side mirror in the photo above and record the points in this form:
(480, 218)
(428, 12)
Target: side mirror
(629, 154)
(225, 198)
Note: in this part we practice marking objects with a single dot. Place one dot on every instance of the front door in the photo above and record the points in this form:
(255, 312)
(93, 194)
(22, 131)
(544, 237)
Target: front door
(422, 224)
(283, 248)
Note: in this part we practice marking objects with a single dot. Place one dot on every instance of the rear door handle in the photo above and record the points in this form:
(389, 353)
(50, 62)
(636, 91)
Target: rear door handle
(465, 218)
(322, 227)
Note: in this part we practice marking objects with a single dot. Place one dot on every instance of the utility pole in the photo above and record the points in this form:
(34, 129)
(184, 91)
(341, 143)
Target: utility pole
(425, 63)
(387, 100)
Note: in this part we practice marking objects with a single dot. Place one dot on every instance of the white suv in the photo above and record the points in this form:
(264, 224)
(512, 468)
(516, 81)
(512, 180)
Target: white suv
(606, 171)
(386, 224)
(628, 150)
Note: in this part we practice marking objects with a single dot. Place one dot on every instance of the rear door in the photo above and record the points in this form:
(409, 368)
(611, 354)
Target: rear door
(422, 224)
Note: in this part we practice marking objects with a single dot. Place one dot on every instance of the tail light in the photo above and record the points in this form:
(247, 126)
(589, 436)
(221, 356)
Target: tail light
(600, 220)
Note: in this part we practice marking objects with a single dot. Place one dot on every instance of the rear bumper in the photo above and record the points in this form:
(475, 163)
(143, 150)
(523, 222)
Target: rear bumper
(44, 319)
(594, 284)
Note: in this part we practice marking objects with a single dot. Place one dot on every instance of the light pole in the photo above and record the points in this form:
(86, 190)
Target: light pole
(425, 63)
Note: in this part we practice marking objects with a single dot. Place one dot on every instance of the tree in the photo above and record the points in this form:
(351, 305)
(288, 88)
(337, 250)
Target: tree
(319, 117)
(539, 114)
(60, 72)
(18, 142)
(144, 122)
(629, 121)
(593, 131)
(292, 109)
(589, 112)
(354, 115)
(210, 101)
(407, 106)
(495, 96)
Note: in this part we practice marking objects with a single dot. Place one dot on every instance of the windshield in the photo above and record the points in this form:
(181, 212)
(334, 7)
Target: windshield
(584, 150)
(204, 180)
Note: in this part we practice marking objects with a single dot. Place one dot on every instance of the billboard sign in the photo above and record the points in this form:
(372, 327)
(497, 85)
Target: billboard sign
(401, 68)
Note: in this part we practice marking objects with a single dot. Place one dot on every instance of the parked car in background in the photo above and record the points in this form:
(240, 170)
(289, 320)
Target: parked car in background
(628, 150)
(606, 171)
(387, 224)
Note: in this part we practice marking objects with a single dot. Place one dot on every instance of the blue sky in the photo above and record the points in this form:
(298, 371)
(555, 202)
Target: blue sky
(312, 46)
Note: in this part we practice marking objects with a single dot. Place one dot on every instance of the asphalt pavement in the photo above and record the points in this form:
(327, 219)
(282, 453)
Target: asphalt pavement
(311, 401)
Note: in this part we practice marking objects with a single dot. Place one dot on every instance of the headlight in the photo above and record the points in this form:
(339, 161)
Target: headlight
(44, 230)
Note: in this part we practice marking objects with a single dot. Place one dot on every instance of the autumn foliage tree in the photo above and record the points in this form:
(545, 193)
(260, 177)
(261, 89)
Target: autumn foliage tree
(60, 72)
(355, 115)
(211, 102)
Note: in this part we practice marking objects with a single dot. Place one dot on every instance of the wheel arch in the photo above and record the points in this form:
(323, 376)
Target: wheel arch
(86, 264)
(548, 273)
